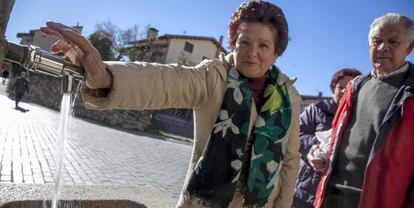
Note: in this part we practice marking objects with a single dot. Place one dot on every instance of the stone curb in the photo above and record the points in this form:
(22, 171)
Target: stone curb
(145, 195)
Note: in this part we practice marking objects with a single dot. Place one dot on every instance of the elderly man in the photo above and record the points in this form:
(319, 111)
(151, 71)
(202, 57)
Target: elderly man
(372, 144)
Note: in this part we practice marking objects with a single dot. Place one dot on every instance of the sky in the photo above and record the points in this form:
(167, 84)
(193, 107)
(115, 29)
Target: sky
(325, 35)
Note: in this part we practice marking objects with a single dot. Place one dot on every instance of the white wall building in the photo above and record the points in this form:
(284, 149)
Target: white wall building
(182, 49)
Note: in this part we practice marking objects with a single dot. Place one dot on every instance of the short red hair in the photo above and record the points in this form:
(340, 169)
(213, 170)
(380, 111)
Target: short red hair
(261, 12)
(339, 75)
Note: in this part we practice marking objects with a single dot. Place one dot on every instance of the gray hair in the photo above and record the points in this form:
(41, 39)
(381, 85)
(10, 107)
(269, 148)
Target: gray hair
(394, 19)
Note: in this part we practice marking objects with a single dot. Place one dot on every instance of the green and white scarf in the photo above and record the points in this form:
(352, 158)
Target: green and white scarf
(218, 170)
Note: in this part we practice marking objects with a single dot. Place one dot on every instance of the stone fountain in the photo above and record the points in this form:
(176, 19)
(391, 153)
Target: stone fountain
(73, 196)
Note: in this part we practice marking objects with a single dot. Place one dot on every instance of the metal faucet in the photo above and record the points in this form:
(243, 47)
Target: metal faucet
(34, 59)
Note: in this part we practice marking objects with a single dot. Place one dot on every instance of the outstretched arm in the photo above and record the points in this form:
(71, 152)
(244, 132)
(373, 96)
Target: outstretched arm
(81, 52)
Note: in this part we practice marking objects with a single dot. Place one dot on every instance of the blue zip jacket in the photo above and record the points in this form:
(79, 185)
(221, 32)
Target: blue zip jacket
(316, 117)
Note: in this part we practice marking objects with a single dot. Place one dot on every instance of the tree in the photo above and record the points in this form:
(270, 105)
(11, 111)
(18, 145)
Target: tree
(102, 41)
(113, 39)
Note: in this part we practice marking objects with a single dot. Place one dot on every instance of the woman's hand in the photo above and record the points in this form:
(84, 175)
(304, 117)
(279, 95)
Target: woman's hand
(80, 52)
(317, 159)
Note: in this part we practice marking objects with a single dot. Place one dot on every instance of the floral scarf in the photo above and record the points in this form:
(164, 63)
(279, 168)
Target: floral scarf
(218, 169)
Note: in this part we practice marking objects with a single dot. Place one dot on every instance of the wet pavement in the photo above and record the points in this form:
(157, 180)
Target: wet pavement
(94, 154)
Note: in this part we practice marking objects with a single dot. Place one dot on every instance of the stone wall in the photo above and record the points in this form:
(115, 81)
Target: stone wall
(45, 90)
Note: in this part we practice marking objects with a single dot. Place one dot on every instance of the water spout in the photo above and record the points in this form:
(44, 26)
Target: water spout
(32, 58)
(67, 83)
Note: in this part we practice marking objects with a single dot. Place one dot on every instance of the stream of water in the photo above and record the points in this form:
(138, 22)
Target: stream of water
(59, 155)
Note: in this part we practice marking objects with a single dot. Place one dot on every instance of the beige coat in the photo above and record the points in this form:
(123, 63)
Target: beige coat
(142, 86)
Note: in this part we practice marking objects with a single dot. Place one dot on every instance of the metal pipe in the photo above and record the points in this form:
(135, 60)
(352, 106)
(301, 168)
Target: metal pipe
(67, 83)
(34, 59)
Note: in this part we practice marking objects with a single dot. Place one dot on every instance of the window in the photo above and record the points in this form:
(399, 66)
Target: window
(188, 47)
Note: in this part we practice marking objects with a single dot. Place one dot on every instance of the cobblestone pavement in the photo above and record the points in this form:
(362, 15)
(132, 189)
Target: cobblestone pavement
(94, 154)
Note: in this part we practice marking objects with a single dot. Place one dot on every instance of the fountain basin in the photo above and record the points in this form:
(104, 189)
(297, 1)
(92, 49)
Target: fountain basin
(84, 196)
(75, 204)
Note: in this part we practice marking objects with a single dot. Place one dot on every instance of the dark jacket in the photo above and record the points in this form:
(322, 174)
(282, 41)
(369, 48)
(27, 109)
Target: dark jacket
(389, 173)
(21, 85)
(316, 117)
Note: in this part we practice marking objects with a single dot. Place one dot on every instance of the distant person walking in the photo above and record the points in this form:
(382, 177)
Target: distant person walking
(20, 87)
(5, 74)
